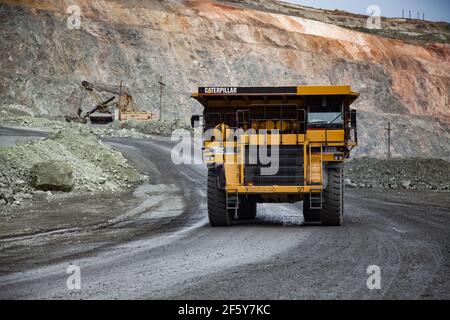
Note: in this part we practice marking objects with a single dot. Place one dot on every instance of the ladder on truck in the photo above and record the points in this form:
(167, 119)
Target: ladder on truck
(232, 200)
(232, 196)
(315, 174)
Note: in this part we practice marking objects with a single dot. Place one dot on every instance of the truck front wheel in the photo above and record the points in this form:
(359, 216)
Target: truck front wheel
(218, 214)
(332, 210)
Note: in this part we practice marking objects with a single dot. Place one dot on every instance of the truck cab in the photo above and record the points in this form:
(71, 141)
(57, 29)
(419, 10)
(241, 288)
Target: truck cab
(276, 144)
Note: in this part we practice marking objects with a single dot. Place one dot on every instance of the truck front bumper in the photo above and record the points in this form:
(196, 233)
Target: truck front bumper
(273, 189)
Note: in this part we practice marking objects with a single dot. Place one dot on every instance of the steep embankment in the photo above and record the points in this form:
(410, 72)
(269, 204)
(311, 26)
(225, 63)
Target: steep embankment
(410, 30)
(192, 43)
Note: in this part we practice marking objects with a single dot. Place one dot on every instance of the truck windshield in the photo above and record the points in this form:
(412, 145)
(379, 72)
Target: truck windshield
(325, 118)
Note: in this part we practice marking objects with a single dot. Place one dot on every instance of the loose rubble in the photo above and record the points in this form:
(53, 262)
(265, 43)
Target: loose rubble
(22, 116)
(413, 173)
(163, 127)
(95, 166)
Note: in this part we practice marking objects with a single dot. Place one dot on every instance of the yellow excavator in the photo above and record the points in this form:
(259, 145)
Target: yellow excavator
(121, 104)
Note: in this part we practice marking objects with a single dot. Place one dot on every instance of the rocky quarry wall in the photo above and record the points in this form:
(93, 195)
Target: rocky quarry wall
(195, 43)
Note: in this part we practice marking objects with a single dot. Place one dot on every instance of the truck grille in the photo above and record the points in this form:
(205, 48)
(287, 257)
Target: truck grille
(290, 169)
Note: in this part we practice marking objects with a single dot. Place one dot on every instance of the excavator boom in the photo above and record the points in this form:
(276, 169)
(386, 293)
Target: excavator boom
(121, 100)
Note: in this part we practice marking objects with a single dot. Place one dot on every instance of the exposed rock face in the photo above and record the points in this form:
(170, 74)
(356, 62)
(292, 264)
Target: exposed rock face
(194, 43)
(411, 30)
(52, 175)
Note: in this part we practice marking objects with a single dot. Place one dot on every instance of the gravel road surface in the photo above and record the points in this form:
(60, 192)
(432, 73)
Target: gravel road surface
(168, 250)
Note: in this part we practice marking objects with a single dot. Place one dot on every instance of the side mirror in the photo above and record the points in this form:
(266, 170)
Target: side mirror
(195, 119)
(353, 118)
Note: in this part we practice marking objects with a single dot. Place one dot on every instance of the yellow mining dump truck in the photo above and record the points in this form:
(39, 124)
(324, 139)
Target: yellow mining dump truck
(276, 144)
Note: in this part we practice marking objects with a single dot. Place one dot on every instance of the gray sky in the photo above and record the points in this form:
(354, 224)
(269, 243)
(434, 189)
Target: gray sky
(435, 10)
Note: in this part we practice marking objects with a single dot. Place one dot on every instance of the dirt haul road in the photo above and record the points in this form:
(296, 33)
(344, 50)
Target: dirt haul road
(170, 251)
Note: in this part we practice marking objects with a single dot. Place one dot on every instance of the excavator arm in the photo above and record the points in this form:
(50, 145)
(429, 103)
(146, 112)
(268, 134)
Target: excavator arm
(101, 113)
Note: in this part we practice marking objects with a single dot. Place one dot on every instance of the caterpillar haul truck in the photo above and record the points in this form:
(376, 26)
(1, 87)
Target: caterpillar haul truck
(276, 144)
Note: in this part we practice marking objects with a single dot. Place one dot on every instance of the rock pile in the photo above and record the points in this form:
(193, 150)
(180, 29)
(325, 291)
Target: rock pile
(163, 127)
(94, 166)
(12, 115)
(413, 173)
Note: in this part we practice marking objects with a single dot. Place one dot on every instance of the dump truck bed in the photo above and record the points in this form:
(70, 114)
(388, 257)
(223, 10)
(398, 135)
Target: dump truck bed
(237, 96)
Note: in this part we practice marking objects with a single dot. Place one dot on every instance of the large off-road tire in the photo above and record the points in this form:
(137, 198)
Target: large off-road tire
(332, 211)
(247, 209)
(218, 214)
(310, 215)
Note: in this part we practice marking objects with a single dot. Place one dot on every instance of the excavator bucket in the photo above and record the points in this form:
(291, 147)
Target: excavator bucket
(101, 117)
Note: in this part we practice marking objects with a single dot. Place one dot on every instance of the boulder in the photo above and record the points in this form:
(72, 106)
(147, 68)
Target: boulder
(52, 175)
(7, 195)
(406, 183)
(348, 183)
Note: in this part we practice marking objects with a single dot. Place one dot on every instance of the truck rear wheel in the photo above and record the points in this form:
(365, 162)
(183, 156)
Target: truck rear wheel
(332, 210)
(310, 215)
(247, 209)
(218, 214)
